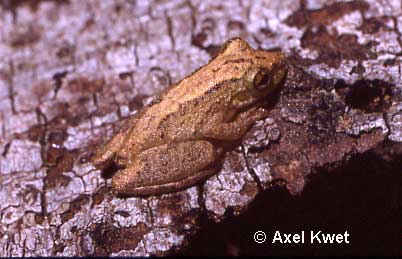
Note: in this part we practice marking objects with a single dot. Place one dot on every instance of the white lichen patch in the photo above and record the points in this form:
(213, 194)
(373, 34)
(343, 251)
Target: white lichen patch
(224, 190)
(261, 168)
(361, 122)
(12, 161)
(79, 136)
(152, 240)
(130, 212)
(342, 72)
(395, 123)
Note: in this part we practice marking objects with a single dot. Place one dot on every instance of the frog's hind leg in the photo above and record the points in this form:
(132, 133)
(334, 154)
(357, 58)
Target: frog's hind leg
(166, 187)
(105, 155)
(167, 168)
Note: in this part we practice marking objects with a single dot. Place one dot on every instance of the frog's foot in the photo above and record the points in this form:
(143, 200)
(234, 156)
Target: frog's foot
(105, 155)
(166, 168)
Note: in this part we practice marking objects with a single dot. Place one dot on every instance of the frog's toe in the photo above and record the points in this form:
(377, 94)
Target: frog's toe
(105, 155)
(102, 160)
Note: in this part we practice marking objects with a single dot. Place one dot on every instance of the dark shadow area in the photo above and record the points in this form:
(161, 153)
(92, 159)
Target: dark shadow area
(362, 196)
(109, 171)
(368, 95)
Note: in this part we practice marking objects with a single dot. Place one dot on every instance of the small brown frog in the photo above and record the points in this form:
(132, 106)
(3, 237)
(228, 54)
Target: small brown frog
(175, 141)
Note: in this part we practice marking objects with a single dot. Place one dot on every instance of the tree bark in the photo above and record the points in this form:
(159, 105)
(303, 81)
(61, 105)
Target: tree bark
(73, 72)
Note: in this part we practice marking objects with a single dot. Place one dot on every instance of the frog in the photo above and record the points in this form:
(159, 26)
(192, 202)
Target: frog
(178, 139)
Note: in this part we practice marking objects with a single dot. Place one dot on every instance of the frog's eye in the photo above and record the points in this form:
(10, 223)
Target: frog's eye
(261, 79)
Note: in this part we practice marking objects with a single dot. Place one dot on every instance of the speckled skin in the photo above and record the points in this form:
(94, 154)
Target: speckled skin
(173, 142)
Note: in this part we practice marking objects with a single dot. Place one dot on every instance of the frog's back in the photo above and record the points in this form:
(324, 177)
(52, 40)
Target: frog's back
(230, 64)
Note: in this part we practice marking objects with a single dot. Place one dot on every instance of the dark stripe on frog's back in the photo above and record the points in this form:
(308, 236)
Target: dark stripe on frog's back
(160, 97)
(239, 60)
(183, 111)
(164, 92)
(233, 61)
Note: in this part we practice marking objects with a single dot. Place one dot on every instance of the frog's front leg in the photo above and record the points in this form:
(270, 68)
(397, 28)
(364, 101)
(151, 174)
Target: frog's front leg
(218, 128)
(166, 168)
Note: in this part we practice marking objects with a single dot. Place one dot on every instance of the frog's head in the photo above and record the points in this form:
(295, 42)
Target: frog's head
(260, 71)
